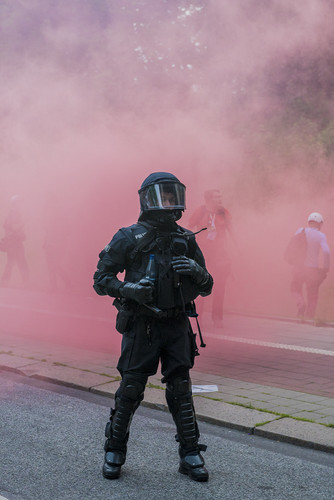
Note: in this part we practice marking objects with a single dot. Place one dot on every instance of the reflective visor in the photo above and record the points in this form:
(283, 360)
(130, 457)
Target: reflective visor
(164, 195)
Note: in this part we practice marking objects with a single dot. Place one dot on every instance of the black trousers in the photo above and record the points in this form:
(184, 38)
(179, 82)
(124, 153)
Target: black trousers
(150, 340)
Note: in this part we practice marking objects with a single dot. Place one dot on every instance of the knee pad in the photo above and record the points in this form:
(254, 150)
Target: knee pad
(178, 390)
(131, 389)
(179, 386)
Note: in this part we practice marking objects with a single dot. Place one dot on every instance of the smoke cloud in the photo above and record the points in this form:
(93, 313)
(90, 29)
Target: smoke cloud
(231, 95)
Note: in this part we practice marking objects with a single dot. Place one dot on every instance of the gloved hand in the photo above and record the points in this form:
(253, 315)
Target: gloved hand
(189, 267)
(141, 292)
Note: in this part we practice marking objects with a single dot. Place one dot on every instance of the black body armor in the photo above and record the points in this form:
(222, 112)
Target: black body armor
(129, 250)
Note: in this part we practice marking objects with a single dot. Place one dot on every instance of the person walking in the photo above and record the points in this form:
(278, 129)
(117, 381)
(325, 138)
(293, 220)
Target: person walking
(311, 267)
(218, 221)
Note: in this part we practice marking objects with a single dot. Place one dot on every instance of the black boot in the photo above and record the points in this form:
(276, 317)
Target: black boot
(192, 464)
(128, 398)
(114, 458)
(180, 403)
(113, 461)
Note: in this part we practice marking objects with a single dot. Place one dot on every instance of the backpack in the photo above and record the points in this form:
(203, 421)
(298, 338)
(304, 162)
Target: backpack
(295, 252)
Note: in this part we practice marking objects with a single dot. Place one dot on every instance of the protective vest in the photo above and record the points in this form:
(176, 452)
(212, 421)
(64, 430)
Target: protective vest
(171, 289)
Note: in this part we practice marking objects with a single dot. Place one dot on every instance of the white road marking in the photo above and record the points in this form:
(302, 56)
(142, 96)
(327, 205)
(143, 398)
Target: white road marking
(289, 347)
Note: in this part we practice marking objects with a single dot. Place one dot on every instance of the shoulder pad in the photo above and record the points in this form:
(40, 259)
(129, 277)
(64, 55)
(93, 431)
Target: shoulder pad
(139, 230)
(142, 235)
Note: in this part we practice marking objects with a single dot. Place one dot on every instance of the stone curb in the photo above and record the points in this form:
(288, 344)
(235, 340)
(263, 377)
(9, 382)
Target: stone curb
(252, 421)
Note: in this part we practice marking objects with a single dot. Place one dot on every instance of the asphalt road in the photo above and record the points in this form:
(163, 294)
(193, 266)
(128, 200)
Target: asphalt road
(51, 448)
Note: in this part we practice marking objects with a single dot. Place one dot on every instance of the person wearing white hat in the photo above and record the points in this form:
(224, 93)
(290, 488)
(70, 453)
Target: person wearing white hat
(312, 269)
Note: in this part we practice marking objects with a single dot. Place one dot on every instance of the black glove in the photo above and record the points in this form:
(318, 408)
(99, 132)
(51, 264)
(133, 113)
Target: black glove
(141, 292)
(189, 267)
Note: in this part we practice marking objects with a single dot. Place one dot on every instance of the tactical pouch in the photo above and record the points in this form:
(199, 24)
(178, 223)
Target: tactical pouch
(194, 348)
(193, 343)
(123, 319)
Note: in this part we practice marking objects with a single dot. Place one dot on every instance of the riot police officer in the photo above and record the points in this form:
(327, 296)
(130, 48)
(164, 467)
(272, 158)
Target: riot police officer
(164, 272)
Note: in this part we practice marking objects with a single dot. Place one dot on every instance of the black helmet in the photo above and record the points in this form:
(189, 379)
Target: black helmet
(162, 199)
(162, 191)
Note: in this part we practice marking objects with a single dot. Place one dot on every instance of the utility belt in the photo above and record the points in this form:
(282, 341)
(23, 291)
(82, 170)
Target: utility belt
(154, 312)
(128, 311)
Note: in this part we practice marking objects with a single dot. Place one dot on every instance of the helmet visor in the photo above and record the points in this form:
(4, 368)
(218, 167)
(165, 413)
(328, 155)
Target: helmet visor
(163, 196)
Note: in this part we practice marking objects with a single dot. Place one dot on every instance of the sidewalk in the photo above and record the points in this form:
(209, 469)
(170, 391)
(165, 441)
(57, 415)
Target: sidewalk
(279, 414)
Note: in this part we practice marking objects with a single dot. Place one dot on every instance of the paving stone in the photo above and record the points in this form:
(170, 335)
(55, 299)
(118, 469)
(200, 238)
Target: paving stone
(325, 420)
(285, 393)
(305, 406)
(106, 389)
(298, 432)
(281, 401)
(322, 410)
(209, 378)
(262, 398)
(224, 396)
(288, 410)
(8, 361)
(319, 418)
(237, 399)
(309, 415)
(241, 392)
(328, 411)
(227, 382)
(310, 398)
(270, 407)
(229, 415)
(266, 404)
(155, 397)
(61, 374)
(299, 408)
(329, 403)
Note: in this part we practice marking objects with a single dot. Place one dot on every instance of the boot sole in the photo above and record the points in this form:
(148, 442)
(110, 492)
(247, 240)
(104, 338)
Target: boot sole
(115, 475)
(187, 472)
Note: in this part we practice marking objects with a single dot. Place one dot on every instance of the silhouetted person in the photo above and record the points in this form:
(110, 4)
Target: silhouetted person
(56, 244)
(311, 270)
(217, 219)
(54, 247)
(12, 244)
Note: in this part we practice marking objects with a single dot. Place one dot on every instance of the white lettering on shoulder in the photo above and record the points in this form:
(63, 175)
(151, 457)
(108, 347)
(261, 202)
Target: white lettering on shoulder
(138, 236)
